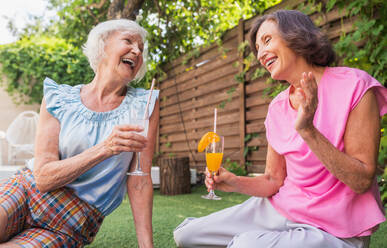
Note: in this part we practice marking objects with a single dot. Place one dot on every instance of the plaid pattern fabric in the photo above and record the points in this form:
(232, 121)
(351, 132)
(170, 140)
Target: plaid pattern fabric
(39, 218)
(12, 200)
(37, 237)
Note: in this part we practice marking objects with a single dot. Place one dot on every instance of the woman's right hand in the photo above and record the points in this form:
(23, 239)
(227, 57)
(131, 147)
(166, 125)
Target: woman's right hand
(124, 138)
(223, 180)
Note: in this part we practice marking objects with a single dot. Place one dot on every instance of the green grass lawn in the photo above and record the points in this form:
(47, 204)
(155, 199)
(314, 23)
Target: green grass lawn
(169, 211)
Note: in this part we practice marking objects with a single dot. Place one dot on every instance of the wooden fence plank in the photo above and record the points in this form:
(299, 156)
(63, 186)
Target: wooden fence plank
(197, 103)
(242, 97)
(257, 112)
(258, 141)
(256, 86)
(230, 142)
(175, 137)
(219, 74)
(255, 127)
(197, 72)
(212, 87)
(257, 100)
(199, 113)
(200, 157)
(257, 167)
(205, 123)
(229, 36)
(230, 46)
(259, 155)
(339, 29)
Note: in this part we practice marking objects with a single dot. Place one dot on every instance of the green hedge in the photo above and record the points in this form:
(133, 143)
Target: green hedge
(28, 61)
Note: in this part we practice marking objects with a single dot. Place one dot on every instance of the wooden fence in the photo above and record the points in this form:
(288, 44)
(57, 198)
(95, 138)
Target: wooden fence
(192, 90)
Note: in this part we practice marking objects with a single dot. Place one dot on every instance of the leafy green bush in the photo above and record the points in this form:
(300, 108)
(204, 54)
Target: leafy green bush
(382, 159)
(235, 168)
(382, 182)
(28, 61)
(365, 47)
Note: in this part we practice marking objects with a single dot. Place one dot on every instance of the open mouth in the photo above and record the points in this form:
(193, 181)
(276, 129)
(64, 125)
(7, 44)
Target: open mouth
(129, 62)
(270, 62)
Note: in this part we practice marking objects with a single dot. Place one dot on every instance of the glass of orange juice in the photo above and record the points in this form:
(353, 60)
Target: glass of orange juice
(214, 157)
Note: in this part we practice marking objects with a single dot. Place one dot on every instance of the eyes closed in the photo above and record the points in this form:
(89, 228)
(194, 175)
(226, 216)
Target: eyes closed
(132, 40)
(266, 39)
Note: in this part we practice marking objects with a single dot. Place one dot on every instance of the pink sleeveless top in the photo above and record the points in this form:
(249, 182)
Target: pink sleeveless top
(311, 194)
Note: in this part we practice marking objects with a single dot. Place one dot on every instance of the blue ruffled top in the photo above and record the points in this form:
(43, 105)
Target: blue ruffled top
(103, 186)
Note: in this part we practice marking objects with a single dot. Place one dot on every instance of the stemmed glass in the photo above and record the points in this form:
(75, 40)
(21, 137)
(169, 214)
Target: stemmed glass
(143, 123)
(214, 156)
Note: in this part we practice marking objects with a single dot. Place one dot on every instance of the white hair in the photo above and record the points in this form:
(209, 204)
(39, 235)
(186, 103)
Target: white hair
(95, 44)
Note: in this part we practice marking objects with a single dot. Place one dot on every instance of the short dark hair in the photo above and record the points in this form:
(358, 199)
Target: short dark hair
(300, 34)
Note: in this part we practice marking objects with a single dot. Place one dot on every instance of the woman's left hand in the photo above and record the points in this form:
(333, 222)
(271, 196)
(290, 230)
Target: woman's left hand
(307, 98)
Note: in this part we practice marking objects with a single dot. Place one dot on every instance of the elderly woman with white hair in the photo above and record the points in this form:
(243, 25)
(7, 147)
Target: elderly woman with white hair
(84, 148)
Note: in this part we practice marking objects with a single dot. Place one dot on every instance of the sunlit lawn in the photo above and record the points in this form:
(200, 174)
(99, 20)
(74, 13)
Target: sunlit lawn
(169, 211)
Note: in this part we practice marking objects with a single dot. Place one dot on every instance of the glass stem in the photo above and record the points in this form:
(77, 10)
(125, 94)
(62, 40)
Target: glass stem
(212, 191)
(138, 161)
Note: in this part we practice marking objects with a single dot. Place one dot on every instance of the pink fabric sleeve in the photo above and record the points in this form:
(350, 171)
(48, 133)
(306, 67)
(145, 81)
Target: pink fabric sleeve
(365, 83)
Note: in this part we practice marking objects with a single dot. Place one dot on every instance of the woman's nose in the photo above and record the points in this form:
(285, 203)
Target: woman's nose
(136, 50)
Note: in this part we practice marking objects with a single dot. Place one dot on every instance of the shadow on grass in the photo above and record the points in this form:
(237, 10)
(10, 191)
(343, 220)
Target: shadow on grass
(169, 211)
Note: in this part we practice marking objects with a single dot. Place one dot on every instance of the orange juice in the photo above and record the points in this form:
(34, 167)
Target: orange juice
(214, 160)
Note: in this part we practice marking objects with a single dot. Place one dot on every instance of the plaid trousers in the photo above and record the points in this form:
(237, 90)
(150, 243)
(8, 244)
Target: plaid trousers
(53, 219)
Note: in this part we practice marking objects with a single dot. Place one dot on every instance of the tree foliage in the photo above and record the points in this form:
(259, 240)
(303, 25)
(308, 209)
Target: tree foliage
(174, 28)
(76, 18)
(365, 48)
(28, 61)
(178, 27)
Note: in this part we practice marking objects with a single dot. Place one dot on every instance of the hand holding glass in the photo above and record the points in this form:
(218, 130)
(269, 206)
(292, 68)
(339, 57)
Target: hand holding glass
(214, 157)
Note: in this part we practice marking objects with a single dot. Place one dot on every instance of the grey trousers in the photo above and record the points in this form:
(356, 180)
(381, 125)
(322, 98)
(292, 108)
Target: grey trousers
(255, 223)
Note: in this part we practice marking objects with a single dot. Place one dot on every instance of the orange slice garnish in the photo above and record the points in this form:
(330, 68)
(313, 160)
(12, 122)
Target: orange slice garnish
(206, 140)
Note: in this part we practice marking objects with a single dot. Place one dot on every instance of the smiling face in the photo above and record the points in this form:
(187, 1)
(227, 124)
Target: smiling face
(273, 53)
(123, 55)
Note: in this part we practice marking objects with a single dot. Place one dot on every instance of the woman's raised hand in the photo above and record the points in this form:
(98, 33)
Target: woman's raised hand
(307, 98)
(223, 180)
(124, 138)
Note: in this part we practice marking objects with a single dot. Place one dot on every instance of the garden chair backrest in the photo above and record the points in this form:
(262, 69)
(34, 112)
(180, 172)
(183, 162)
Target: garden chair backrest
(23, 128)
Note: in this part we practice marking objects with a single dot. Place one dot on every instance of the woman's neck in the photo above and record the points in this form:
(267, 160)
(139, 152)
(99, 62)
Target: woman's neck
(317, 71)
(103, 93)
(105, 86)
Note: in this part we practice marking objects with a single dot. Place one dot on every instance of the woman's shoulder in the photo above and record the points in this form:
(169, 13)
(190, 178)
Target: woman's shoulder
(52, 87)
(60, 97)
(352, 83)
(347, 74)
(347, 79)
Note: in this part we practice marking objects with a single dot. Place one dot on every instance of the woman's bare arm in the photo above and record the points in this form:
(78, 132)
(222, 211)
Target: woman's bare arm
(264, 185)
(356, 166)
(140, 188)
(51, 173)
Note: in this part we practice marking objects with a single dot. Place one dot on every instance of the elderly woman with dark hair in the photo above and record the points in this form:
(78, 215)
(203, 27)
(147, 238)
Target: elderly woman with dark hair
(319, 187)
(84, 148)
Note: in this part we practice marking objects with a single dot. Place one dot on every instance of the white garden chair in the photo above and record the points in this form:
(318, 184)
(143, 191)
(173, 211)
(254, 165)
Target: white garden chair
(20, 135)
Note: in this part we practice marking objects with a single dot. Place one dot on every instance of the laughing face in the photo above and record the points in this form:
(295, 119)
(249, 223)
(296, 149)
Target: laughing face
(273, 53)
(123, 54)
